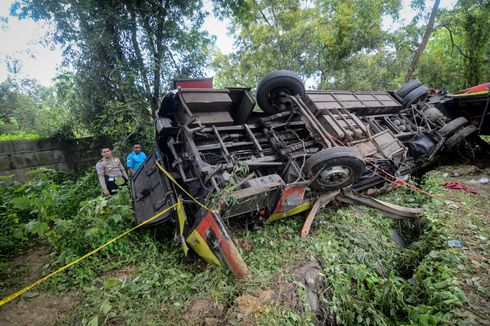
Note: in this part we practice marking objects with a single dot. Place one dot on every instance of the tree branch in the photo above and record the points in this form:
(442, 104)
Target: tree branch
(173, 61)
(137, 51)
(425, 39)
(262, 13)
(157, 56)
(4, 115)
(454, 45)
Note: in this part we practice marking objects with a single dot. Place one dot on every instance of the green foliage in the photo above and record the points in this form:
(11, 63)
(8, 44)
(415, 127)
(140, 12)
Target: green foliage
(225, 195)
(321, 40)
(344, 45)
(18, 136)
(30, 212)
(124, 54)
(12, 227)
(360, 260)
(368, 278)
(28, 108)
(458, 53)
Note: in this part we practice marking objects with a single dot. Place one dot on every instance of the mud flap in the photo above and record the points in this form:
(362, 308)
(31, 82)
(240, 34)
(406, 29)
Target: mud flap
(211, 240)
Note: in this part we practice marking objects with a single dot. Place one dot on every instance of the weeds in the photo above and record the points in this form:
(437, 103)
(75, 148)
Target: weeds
(225, 195)
(368, 278)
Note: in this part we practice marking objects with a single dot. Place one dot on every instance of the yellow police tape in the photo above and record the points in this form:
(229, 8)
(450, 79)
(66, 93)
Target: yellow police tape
(45, 278)
(181, 188)
(178, 204)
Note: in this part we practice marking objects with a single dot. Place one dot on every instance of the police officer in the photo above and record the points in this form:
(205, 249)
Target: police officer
(135, 159)
(111, 172)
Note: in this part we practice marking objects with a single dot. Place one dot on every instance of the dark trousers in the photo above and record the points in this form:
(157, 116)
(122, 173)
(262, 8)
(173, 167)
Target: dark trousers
(112, 186)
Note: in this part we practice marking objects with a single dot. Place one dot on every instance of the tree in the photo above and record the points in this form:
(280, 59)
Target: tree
(458, 53)
(475, 15)
(318, 39)
(441, 66)
(423, 43)
(26, 106)
(124, 53)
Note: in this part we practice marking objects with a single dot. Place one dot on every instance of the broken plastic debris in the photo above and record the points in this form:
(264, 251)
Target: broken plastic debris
(454, 243)
(480, 181)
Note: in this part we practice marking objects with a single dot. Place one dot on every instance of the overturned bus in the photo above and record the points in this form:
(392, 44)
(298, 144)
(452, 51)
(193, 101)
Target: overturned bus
(225, 160)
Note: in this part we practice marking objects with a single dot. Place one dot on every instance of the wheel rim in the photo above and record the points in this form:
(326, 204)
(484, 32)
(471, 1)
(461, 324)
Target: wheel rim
(279, 98)
(334, 176)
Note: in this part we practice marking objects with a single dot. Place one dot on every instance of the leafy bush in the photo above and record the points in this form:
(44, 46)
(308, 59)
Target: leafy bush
(368, 278)
(31, 212)
(13, 238)
(18, 136)
(70, 215)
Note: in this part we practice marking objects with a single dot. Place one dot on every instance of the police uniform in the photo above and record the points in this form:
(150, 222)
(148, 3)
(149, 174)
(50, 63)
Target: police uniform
(109, 171)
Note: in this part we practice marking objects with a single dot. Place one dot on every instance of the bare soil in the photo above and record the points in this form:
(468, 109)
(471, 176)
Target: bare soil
(122, 274)
(33, 308)
(44, 309)
(202, 311)
(25, 269)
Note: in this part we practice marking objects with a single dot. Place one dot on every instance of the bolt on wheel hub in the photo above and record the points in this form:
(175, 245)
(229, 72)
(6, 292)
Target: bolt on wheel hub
(334, 175)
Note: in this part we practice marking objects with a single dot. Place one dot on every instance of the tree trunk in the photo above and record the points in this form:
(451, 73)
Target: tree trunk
(138, 56)
(157, 65)
(425, 39)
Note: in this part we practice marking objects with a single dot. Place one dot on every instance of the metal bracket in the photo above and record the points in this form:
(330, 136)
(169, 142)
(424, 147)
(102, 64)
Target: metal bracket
(348, 196)
(391, 210)
(319, 203)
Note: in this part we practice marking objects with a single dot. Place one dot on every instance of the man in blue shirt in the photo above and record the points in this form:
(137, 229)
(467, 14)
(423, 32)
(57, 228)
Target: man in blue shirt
(135, 159)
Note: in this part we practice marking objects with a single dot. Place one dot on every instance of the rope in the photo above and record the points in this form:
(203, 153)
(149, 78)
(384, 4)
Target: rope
(47, 277)
(400, 181)
(180, 187)
(414, 188)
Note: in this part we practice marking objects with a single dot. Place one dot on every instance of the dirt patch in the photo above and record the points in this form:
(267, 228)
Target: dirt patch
(245, 244)
(25, 270)
(33, 308)
(44, 309)
(202, 311)
(266, 295)
(245, 307)
(247, 304)
(33, 261)
(243, 310)
(122, 274)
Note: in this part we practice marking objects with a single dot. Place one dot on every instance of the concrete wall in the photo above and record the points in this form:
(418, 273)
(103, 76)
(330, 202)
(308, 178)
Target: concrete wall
(17, 157)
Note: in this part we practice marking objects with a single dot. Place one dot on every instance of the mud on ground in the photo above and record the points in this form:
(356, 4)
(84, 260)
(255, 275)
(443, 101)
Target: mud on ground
(35, 307)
